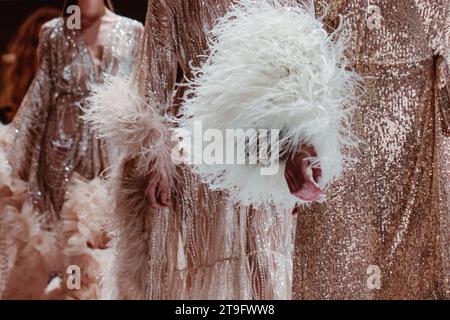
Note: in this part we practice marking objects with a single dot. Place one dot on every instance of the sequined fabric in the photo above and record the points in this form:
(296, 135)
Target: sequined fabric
(203, 247)
(389, 213)
(51, 146)
(52, 142)
(387, 219)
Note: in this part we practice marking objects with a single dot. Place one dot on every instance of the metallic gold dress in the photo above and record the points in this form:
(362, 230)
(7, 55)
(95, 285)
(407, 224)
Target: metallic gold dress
(203, 247)
(52, 147)
(383, 233)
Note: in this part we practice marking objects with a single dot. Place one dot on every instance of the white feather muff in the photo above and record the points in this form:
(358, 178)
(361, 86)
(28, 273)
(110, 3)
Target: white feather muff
(273, 66)
(118, 113)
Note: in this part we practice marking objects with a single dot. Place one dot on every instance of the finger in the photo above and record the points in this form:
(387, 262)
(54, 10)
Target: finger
(317, 174)
(310, 192)
(313, 152)
(293, 175)
(294, 180)
(304, 166)
(308, 150)
(163, 193)
(151, 194)
(316, 169)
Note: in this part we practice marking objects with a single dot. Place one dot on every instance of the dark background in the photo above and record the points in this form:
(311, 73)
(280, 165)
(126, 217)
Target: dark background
(14, 12)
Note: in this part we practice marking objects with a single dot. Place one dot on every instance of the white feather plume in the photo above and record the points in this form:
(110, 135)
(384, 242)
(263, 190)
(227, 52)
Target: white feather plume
(84, 232)
(119, 114)
(273, 66)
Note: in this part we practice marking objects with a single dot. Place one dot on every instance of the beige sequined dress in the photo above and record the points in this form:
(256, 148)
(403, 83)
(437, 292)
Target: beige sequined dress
(53, 151)
(52, 142)
(383, 233)
(203, 247)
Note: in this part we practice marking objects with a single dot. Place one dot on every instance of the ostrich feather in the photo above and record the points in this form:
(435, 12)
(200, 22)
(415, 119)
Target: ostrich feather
(119, 114)
(273, 66)
(84, 234)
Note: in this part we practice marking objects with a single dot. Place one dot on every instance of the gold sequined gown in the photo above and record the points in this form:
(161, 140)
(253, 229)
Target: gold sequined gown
(383, 233)
(51, 147)
(203, 247)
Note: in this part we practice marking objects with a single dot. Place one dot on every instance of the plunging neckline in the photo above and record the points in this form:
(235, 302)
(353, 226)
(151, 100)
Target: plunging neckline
(97, 67)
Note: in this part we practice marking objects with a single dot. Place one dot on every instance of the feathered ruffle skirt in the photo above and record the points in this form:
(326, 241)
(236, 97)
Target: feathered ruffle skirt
(43, 263)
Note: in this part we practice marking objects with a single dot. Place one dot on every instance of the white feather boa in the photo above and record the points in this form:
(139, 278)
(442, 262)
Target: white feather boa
(273, 66)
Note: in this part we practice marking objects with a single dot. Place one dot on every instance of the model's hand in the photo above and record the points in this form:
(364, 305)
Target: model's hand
(158, 193)
(300, 183)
